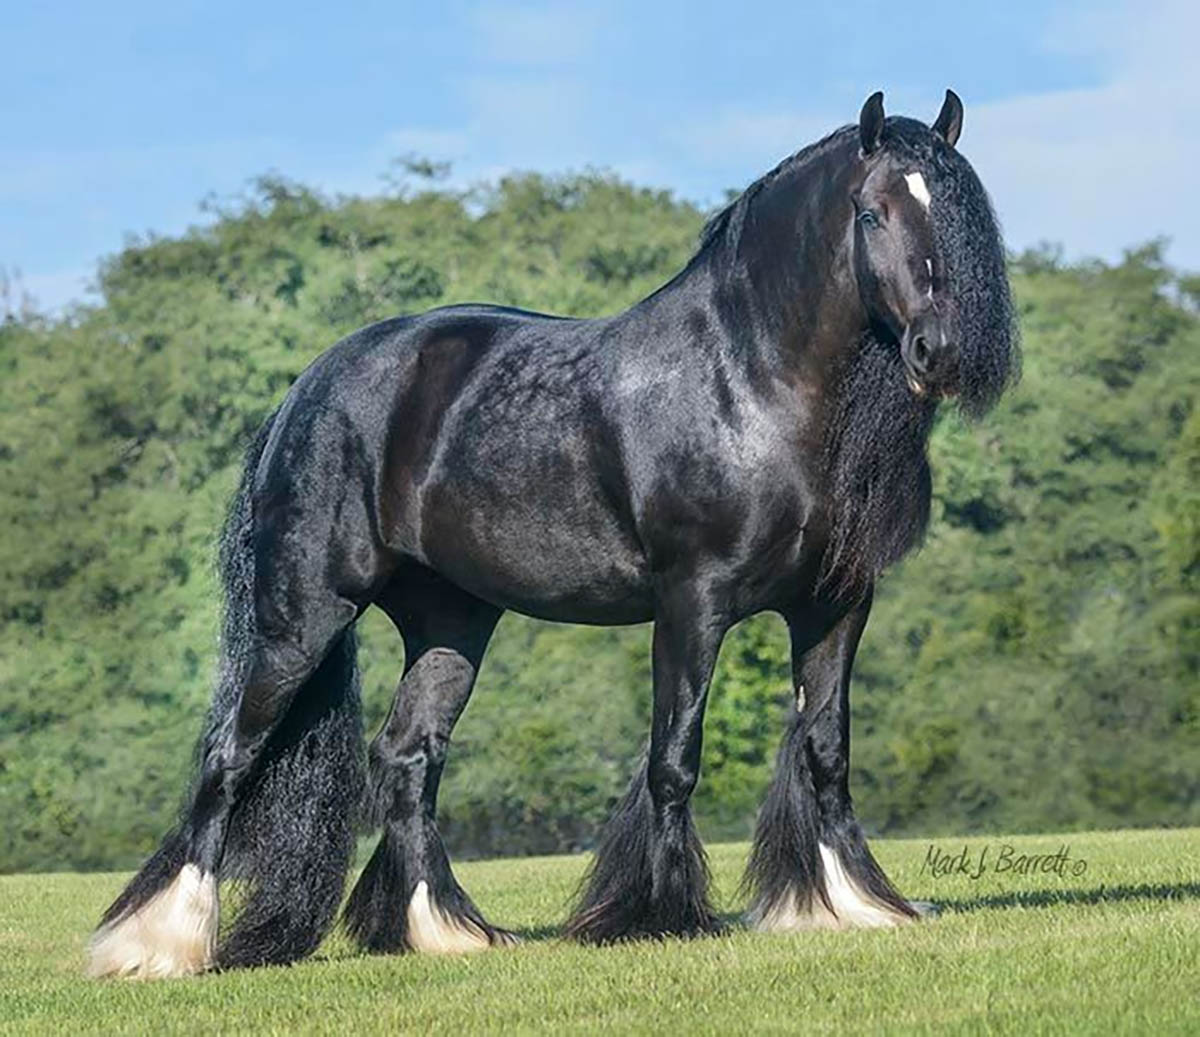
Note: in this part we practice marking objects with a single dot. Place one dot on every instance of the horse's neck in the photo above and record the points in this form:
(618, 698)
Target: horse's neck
(794, 265)
(775, 295)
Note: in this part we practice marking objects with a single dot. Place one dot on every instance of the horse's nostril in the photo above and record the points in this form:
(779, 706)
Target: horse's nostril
(920, 352)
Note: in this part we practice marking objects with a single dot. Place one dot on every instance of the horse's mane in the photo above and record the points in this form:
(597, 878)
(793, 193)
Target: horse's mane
(879, 478)
(875, 450)
(727, 223)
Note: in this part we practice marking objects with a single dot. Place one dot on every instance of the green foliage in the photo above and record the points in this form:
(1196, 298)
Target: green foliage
(749, 702)
(1036, 666)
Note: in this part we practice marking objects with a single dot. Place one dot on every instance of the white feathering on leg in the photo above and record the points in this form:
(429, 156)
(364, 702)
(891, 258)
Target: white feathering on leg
(173, 934)
(856, 908)
(432, 931)
(852, 907)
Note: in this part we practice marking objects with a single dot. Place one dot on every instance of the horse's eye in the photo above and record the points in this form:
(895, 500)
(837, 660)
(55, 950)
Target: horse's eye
(868, 218)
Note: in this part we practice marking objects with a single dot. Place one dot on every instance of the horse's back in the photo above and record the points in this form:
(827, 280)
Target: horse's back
(469, 439)
(398, 375)
(503, 473)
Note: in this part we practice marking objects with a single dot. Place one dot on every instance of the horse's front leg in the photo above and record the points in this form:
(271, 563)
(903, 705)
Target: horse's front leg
(650, 877)
(810, 866)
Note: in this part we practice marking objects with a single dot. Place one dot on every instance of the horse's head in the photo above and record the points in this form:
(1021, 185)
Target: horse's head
(923, 238)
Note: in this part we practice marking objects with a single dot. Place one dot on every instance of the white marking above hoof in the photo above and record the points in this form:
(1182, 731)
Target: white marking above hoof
(853, 907)
(173, 934)
(432, 931)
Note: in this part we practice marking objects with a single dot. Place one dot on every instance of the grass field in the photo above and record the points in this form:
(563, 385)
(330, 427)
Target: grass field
(1113, 948)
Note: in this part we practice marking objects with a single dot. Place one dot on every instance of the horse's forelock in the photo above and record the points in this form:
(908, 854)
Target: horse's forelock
(972, 251)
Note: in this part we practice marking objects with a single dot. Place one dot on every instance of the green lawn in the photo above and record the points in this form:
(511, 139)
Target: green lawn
(1116, 948)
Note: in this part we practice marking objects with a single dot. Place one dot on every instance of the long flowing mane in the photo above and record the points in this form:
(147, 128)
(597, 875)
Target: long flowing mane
(875, 448)
(728, 223)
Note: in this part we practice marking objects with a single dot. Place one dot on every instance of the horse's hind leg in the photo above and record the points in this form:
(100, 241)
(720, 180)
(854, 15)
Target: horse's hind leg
(280, 770)
(254, 774)
(407, 897)
(810, 866)
(279, 777)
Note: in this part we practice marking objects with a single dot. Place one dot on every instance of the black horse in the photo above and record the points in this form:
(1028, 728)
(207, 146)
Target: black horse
(750, 437)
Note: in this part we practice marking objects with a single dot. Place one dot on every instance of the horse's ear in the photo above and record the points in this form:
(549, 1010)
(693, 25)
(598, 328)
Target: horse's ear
(948, 124)
(870, 122)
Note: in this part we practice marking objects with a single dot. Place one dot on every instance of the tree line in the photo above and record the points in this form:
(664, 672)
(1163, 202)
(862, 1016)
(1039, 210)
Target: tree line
(1035, 667)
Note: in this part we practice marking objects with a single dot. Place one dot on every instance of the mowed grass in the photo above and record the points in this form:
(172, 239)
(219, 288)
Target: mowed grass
(1114, 949)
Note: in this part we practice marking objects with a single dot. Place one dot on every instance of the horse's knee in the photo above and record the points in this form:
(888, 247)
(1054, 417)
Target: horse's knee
(671, 783)
(410, 754)
(405, 771)
(428, 702)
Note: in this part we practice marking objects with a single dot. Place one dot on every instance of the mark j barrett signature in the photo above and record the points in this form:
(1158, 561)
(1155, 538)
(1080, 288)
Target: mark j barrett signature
(1000, 860)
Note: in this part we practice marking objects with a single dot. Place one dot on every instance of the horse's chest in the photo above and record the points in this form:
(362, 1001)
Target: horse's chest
(779, 565)
(757, 540)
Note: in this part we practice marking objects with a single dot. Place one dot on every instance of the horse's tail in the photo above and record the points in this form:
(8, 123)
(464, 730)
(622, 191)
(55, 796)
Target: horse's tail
(290, 835)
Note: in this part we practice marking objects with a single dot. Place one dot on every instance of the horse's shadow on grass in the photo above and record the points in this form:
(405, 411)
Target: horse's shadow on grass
(538, 933)
(1057, 897)
(735, 921)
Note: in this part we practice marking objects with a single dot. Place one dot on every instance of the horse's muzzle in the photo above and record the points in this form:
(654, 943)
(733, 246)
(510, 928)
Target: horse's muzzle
(928, 356)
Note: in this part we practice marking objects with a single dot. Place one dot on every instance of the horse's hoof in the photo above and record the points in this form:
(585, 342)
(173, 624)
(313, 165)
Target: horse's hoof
(174, 933)
(601, 929)
(433, 930)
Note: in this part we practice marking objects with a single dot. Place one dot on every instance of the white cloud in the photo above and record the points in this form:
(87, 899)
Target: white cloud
(529, 115)
(762, 137)
(1097, 170)
(1105, 168)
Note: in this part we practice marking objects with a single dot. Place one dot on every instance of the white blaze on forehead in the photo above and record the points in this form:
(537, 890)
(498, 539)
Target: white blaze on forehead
(917, 188)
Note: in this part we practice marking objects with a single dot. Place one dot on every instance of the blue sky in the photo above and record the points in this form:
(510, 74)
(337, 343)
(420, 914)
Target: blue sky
(121, 117)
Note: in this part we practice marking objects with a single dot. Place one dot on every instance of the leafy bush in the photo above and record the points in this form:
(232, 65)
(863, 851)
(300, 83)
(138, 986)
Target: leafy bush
(1036, 666)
